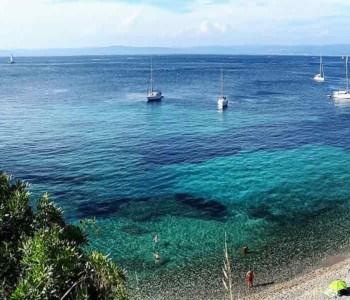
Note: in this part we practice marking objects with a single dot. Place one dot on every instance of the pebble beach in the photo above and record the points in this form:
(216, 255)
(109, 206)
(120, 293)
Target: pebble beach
(308, 287)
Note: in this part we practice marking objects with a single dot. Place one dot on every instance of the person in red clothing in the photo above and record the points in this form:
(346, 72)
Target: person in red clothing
(249, 278)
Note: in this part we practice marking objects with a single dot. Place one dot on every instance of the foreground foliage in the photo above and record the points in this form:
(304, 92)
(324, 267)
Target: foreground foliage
(42, 257)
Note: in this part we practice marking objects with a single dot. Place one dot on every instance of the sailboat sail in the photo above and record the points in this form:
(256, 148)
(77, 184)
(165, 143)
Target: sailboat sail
(11, 60)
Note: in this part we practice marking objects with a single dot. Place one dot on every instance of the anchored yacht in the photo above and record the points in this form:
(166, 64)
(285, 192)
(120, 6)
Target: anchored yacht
(343, 94)
(152, 94)
(320, 76)
(11, 60)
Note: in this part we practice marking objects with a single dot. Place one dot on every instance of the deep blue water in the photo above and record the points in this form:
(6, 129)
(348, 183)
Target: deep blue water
(81, 129)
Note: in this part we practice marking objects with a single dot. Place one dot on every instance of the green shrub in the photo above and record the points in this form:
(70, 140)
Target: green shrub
(42, 257)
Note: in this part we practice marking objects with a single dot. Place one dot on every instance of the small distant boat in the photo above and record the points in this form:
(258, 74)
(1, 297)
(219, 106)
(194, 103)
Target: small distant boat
(320, 76)
(222, 101)
(343, 94)
(152, 94)
(11, 60)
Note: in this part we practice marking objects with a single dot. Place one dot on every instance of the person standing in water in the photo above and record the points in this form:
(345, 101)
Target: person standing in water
(155, 239)
(249, 278)
(245, 250)
(156, 253)
(156, 257)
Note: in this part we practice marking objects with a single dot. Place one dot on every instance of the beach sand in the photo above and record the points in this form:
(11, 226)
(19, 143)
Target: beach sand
(307, 287)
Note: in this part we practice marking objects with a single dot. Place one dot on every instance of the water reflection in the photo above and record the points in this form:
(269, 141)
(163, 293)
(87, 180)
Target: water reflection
(341, 103)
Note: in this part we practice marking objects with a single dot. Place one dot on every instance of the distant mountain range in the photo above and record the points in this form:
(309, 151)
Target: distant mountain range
(228, 50)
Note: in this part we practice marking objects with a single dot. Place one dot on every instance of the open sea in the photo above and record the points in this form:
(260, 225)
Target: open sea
(272, 171)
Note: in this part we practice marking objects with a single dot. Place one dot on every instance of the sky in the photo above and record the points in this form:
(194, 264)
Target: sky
(39, 24)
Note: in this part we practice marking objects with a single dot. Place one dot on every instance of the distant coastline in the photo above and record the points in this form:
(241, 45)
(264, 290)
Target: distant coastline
(326, 50)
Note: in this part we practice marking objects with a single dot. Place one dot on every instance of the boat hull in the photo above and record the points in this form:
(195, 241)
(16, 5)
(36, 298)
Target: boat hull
(155, 98)
(222, 102)
(319, 78)
(341, 95)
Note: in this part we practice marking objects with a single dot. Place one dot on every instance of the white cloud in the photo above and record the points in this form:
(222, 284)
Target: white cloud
(208, 27)
(49, 23)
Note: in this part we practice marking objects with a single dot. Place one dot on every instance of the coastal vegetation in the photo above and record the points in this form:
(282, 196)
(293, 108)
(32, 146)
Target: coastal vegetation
(43, 257)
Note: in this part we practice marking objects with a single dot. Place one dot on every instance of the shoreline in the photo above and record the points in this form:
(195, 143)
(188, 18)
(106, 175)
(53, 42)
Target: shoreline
(302, 285)
(319, 243)
(307, 287)
(285, 251)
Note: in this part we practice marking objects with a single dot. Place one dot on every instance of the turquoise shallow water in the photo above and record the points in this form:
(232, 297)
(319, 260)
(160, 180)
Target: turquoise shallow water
(266, 194)
(272, 171)
(308, 172)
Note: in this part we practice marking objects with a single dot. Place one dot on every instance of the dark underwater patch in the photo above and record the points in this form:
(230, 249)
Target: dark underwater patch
(293, 134)
(289, 209)
(154, 209)
(187, 149)
(134, 230)
(101, 209)
(212, 210)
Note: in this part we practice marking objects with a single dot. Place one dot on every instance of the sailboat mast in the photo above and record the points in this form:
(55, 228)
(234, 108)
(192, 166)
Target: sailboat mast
(151, 75)
(222, 83)
(321, 66)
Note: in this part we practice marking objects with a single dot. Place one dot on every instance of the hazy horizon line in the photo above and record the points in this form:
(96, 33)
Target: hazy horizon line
(180, 47)
(242, 49)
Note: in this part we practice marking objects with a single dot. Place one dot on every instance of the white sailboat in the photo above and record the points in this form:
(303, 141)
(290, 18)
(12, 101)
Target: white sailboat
(152, 94)
(11, 60)
(343, 94)
(222, 101)
(320, 76)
